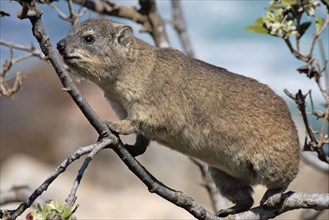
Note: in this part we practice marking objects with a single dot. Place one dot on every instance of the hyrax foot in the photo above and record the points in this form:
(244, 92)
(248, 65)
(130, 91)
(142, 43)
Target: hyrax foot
(234, 209)
(139, 147)
(237, 191)
(272, 197)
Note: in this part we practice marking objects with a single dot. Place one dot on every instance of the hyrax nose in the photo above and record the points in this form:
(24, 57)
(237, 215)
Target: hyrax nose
(61, 46)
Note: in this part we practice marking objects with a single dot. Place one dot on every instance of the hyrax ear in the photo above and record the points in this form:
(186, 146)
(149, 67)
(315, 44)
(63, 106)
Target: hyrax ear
(124, 35)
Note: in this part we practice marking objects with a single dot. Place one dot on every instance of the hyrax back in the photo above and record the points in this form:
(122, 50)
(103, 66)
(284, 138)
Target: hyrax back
(237, 125)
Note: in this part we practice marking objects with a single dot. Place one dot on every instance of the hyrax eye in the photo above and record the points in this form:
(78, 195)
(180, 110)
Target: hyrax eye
(89, 39)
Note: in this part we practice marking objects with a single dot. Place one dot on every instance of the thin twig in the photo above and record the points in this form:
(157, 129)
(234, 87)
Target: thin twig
(32, 51)
(295, 52)
(314, 144)
(180, 26)
(74, 15)
(72, 197)
(154, 185)
(318, 34)
(4, 14)
(217, 200)
(294, 200)
(44, 186)
(147, 16)
(6, 90)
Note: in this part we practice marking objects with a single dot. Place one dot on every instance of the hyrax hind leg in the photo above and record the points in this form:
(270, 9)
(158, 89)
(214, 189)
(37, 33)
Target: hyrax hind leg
(273, 197)
(233, 189)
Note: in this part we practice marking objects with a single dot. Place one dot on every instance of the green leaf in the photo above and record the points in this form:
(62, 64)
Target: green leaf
(288, 2)
(257, 29)
(319, 23)
(259, 21)
(273, 8)
(303, 28)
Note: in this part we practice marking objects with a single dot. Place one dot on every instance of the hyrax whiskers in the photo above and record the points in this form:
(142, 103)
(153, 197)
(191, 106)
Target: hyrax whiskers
(238, 126)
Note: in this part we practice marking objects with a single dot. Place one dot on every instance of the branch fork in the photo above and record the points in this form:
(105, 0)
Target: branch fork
(109, 140)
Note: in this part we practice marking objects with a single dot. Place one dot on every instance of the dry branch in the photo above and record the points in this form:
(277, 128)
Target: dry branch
(74, 15)
(98, 147)
(177, 198)
(293, 200)
(4, 14)
(217, 200)
(180, 26)
(313, 70)
(147, 16)
(315, 144)
(13, 214)
(5, 89)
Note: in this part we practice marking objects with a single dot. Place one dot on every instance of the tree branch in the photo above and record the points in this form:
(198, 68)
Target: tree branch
(13, 214)
(53, 56)
(217, 200)
(317, 35)
(4, 14)
(72, 197)
(110, 8)
(32, 50)
(6, 90)
(314, 144)
(154, 185)
(296, 53)
(179, 25)
(147, 16)
(293, 200)
(74, 15)
(158, 31)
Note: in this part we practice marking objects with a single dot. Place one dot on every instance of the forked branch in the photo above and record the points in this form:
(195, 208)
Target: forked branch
(147, 15)
(16, 82)
(314, 144)
(109, 140)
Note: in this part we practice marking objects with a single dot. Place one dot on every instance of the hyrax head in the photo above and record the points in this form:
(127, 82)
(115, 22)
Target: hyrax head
(96, 48)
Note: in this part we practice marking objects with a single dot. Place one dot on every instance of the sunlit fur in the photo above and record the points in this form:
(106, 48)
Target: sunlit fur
(237, 125)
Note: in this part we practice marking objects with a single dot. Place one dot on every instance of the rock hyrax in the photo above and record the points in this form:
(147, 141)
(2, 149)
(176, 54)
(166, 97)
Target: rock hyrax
(238, 126)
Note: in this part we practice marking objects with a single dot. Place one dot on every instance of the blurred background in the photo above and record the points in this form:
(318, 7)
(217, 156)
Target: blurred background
(41, 126)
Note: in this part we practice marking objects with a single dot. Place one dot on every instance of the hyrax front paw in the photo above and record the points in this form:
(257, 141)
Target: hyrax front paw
(124, 127)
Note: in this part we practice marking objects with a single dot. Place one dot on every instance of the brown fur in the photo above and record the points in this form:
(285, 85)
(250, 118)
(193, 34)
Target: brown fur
(237, 125)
